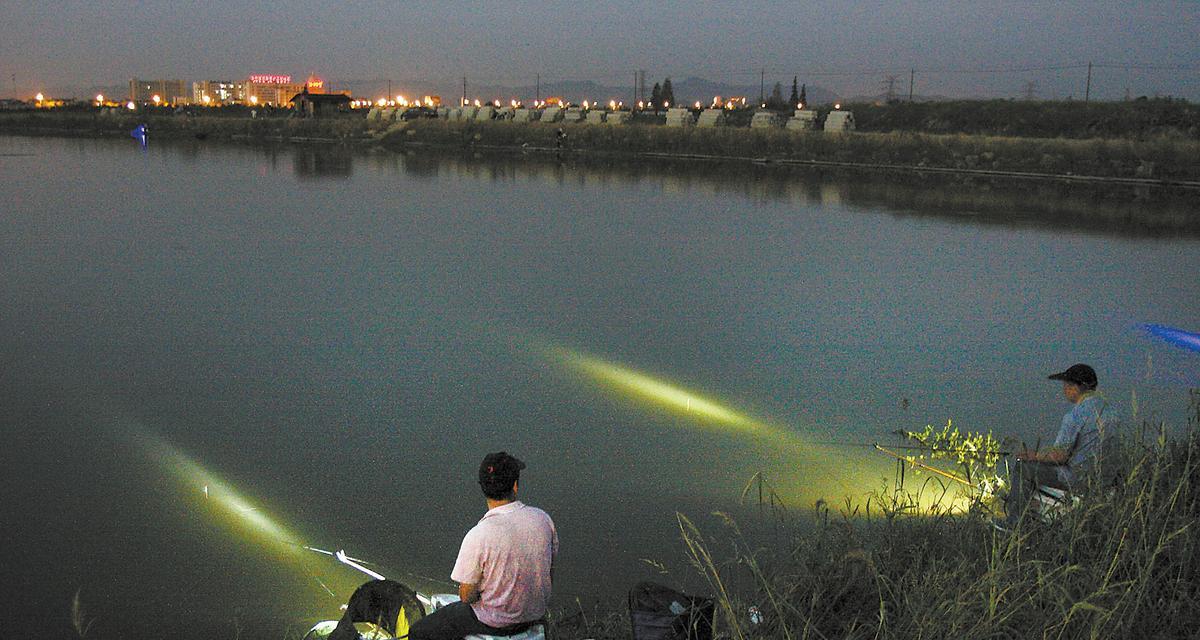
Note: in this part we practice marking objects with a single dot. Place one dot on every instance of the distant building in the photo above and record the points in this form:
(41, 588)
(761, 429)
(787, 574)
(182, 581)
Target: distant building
(315, 85)
(167, 91)
(271, 89)
(315, 105)
(217, 92)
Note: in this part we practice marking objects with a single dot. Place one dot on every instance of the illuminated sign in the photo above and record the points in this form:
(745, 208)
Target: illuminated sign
(268, 78)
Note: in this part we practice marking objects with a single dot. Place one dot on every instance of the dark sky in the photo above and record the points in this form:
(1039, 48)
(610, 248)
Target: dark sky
(79, 44)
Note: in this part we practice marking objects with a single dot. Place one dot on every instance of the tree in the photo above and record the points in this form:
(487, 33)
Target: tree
(803, 94)
(795, 92)
(656, 97)
(775, 101)
(668, 92)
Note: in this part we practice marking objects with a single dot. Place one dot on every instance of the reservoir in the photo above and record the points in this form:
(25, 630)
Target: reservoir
(214, 357)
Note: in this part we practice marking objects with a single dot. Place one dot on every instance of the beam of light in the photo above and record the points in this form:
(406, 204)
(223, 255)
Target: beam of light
(252, 522)
(665, 394)
(1178, 337)
(236, 510)
(811, 470)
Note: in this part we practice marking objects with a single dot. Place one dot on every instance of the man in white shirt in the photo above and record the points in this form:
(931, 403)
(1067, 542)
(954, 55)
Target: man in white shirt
(504, 566)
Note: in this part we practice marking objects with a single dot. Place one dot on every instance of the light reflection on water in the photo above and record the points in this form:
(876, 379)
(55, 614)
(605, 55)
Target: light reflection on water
(342, 335)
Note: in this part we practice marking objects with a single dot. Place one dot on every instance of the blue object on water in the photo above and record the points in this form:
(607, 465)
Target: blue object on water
(1177, 337)
(139, 134)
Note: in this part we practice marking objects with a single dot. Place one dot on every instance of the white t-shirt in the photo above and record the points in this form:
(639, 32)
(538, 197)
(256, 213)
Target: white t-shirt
(508, 555)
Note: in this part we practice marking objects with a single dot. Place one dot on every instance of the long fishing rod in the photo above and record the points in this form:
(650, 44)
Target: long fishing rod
(358, 565)
(922, 465)
(913, 447)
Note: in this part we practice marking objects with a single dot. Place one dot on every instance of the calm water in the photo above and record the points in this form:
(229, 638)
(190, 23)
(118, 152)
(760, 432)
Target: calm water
(336, 339)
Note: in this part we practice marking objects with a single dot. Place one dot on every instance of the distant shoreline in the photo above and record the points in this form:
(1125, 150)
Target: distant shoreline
(1158, 163)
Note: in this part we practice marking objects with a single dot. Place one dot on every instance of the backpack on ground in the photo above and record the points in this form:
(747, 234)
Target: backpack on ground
(658, 612)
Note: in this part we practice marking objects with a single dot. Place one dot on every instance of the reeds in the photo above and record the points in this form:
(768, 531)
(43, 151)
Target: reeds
(80, 622)
(1124, 563)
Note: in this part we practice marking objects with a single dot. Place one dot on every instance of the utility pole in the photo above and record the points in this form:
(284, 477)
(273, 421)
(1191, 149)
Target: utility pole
(889, 83)
(1087, 92)
(635, 83)
(762, 87)
(389, 93)
(464, 100)
(539, 88)
(912, 75)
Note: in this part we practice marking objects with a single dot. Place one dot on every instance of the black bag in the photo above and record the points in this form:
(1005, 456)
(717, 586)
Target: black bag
(662, 613)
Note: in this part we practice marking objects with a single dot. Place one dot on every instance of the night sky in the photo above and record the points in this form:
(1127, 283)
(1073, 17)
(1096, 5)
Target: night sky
(85, 44)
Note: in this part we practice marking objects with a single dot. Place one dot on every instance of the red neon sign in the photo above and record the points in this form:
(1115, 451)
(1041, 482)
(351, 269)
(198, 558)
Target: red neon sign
(270, 78)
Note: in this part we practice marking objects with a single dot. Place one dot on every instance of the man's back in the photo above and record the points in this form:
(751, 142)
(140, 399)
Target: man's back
(1082, 433)
(509, 555)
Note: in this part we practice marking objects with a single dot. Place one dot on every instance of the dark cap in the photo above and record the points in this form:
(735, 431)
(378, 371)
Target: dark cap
(499, 470)
(1079, 374)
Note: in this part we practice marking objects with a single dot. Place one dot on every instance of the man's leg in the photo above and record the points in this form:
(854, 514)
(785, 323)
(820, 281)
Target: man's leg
(452, 622)
(1029, 476)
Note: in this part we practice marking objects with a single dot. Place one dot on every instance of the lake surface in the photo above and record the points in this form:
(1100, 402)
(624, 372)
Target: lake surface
(211, 351)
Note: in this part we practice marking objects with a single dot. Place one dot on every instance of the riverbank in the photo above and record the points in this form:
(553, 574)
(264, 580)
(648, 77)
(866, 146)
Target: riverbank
(1168, 161)
(1123, 563)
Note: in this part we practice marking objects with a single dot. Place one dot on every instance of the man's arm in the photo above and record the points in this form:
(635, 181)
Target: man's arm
(468, 592)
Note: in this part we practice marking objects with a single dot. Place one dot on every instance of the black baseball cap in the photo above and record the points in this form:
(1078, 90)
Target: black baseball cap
(499, 470)
(1079, 374)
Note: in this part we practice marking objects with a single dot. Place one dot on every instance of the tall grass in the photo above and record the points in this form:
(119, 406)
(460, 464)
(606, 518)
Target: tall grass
(1124, 563)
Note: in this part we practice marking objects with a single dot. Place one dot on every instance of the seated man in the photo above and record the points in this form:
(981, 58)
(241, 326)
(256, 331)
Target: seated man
(1075, 449)
(504, 566)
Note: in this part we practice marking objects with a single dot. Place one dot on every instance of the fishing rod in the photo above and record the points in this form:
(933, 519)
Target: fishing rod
(922, 465)
(353, 563)
(914, 447)
(359, 565)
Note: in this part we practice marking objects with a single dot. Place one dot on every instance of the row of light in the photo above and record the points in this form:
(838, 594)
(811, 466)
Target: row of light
(717, 103)
(399, 101)
(427, 101)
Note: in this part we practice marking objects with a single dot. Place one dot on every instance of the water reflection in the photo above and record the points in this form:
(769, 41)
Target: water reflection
(1106, 209)
(316, 163)
(1117, 210)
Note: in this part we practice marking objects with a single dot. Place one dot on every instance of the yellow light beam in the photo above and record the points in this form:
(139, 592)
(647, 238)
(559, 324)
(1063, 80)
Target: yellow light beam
(664, 394)
(238, 511)
(811, 470)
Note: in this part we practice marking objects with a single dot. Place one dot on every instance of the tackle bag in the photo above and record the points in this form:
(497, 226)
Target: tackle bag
(662, 613)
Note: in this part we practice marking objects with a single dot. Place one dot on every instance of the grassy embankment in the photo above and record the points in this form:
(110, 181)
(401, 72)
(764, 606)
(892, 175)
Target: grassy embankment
(1153, 140)
(1125, 563)
(212, 124)
(1159, 158)
(1132, 120)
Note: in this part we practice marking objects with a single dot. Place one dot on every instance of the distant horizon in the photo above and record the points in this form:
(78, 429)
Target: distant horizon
(377, 88)
(962, 49)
